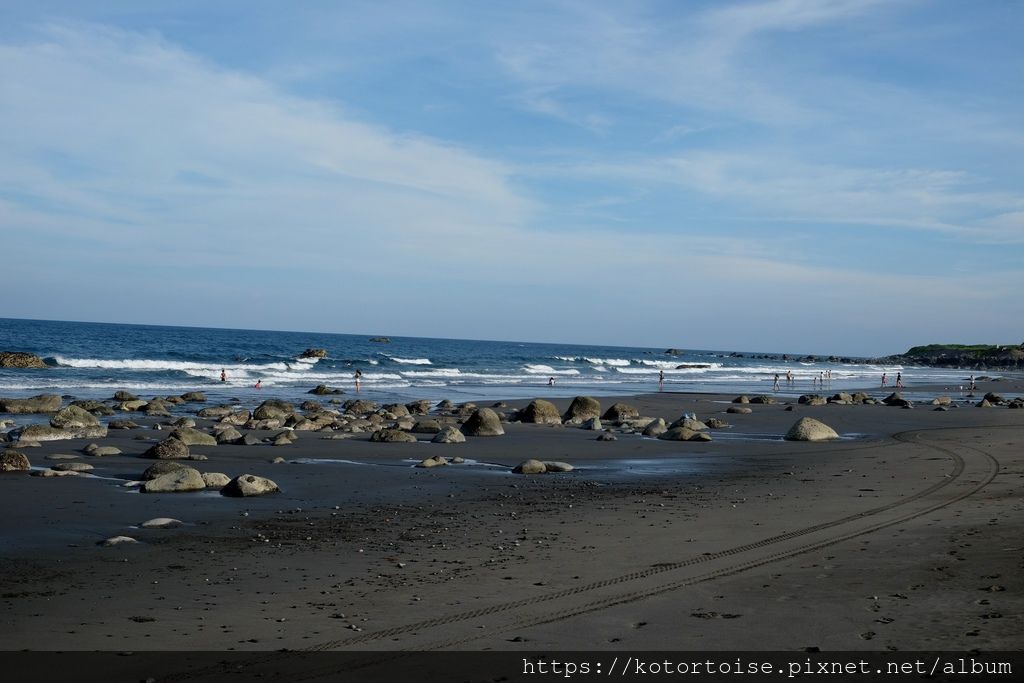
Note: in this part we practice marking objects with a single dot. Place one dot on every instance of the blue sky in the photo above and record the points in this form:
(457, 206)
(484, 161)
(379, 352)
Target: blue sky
(829, 176)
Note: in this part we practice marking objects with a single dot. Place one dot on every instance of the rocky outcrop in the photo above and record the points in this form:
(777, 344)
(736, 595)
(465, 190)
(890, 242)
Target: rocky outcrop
(42, 403)
(50, 433)
(418, 407)
(193, 437)
(809, 429)
(582, 409)
(359, 406)
(392, 436)
(14, 461)
(530, 467)
(177, 481)
(193, 397)
(449, 434)
(168, 449)
(379, 340)
(248, 485)
(273, 409)
(812, 400)
(540, 411)
(483, 422)
(657, 427)
(18, 359)
(619, 412)
(894, 399)
(969, 357)
(314, 353)
(323, 390)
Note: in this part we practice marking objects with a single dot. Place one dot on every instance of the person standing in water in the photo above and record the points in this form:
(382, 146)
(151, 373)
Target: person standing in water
(885, 381)
(661, 379)
(899, 380)
(359, 379)
(258, 385)
(223, 375)
(551, 381)
(775, 386)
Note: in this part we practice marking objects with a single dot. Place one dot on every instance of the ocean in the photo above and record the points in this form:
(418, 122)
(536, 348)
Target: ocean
(92, 360)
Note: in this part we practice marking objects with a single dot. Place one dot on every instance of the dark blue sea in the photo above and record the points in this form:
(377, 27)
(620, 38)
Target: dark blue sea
(92, 360)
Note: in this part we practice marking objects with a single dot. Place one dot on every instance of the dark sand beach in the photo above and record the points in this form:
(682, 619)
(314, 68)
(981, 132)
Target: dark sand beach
(903, 534)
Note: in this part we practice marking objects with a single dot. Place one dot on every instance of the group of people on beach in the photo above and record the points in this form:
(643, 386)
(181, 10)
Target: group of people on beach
(899, 380)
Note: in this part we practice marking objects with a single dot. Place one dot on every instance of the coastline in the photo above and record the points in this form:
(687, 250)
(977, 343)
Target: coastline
(647, 544)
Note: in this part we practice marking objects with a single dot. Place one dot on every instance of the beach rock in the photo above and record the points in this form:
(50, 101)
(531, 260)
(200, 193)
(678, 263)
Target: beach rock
(592, 424)
(557, 466)
(741, 399)
(248, 485)
(942, 401)
(763, 400)
(160, 468)
(72, 467)
(483, 422)
(273, 409)
(739, 410)
(236, 419)
(392, 436)
(530, 467)
(324, 390)
(216, 412)
(466, 409)
(540, 411)
(359, 406)
(49, 433)
(168, 449)
(606, 436)
(283, 438)
(123, 424)
(193, 397)
(102, 451)
(418, 407)
(657, 427)
(684, 434)
(184, 422)
(985, 403)
(55, 473)
(61, 456)
(861, 397)
(156, 410)
(278, 460)
(809, 429)
(215, 480)
(177, 481)
(427, 427)
(132, 406)
(14, 461)
(125, 396)
(582, 409)
(117, 540)
(690, 423)
(619, 412)
(894, 399)
(445, 406)
(314, 353)
(841, 397)
(449, 434)
(716, 423)
(42, 403)
(94, 407)
(193, 437)
(250, 439)
(435, 461)
(994, 398)
(161, 523)
(19, 359)
(397, 410)
(812, 400)
(228, 435)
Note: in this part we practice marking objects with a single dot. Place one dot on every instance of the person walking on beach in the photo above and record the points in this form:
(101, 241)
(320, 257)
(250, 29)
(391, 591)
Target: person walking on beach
(789, 377)
(223, 375)
(885, 381)
(899, 380)
(258, 385)
(973, 385)
(775, 386)
(359, 379)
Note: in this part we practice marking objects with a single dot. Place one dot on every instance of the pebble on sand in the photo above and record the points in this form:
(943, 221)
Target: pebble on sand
(161, 523)
(117, 540)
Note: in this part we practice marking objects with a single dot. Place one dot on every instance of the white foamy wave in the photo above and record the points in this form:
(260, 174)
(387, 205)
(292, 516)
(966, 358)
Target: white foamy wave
(411, 361)
(548, 370)
(308, 361)
(618, 362)
(440, 372)
(164, 365)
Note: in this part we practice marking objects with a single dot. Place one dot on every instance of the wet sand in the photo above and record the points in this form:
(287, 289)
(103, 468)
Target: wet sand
(905, 534)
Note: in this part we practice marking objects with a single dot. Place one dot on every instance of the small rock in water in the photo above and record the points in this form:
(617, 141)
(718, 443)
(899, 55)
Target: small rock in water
(117, 540)
(161, 523)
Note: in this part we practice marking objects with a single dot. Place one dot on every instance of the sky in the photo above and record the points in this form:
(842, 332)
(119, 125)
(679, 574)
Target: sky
(816, 176)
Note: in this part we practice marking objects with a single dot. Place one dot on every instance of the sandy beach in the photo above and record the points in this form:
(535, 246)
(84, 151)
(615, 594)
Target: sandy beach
(903, 534)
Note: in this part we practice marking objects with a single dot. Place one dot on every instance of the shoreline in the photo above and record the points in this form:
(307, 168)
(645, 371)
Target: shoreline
(407, 545)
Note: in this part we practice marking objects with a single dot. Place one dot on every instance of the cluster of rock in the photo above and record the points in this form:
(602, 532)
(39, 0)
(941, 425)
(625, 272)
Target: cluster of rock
(314, 353)
(978, 357)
